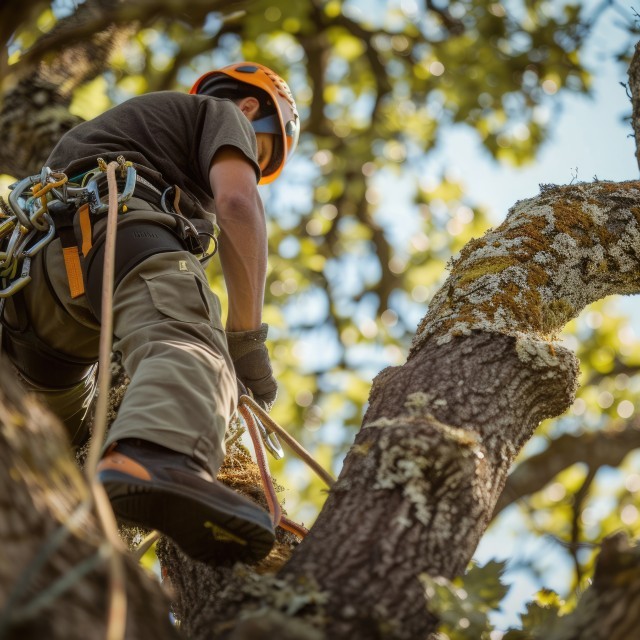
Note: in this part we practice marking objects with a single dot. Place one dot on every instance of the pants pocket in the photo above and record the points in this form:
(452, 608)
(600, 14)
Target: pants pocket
(178, 295)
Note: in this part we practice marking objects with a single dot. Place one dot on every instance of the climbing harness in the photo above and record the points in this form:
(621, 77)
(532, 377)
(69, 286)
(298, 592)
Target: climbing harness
(28, 225)
(45, 205)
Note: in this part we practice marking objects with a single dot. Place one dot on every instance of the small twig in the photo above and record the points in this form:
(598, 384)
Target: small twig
(579, 499)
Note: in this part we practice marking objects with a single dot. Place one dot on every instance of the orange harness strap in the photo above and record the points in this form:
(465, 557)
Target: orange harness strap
(74, 271)
(71, 253)
(85, 228)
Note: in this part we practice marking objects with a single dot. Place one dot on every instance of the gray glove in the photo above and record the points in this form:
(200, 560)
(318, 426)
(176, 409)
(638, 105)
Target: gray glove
(251, 361)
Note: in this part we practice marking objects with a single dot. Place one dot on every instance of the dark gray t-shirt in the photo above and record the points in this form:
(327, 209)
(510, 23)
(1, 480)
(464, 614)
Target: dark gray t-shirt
(174, 134)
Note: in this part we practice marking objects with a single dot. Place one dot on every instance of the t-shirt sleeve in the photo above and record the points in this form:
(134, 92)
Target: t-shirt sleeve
(222, 124)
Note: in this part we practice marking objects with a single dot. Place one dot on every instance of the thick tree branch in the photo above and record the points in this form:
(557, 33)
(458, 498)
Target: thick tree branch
(96, 16)
(596, 449)
(35, 106)
(35, 111)
(41, 515)
(634, 86)
(552, 256)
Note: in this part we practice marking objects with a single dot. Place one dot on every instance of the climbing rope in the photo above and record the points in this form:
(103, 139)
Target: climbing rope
(117, 616)
(255, 417)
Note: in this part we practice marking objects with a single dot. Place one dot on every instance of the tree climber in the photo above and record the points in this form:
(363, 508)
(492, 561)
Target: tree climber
(193, 154)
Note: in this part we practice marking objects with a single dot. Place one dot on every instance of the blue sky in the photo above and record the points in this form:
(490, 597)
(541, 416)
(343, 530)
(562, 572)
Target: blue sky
(590, 139)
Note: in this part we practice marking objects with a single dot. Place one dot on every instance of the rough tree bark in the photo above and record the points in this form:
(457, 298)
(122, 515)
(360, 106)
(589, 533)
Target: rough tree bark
(43, 517)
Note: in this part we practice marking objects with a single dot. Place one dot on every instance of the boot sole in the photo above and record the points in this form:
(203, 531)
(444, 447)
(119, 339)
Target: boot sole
(216, 527)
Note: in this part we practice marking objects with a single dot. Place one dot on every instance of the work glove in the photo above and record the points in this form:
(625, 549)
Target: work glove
(251, 361)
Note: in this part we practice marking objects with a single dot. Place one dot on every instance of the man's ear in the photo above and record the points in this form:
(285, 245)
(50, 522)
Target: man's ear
(250, 106)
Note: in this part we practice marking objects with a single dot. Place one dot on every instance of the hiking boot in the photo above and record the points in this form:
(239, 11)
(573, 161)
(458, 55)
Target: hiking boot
(153, 487)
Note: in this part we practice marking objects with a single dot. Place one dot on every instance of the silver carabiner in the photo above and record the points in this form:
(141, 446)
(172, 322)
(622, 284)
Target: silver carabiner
(96, 204)
(129, 185)
(16, 237)
(270, 439)
(17, 189)
(43, 242)
(20, 282)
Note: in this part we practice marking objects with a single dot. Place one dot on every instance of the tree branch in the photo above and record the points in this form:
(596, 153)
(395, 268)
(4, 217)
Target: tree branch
(41, 516)
(634, 86)
(597, 449)
(610, 608)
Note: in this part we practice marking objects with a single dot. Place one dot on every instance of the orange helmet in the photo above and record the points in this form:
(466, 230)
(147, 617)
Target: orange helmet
(284, 123)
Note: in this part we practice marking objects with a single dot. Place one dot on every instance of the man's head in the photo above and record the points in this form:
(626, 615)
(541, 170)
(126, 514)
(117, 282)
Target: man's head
(266, 100)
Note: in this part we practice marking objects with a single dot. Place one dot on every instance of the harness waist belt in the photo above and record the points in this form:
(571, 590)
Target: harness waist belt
(137, 240)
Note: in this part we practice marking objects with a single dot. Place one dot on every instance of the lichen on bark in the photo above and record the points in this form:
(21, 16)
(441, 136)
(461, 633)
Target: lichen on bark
(553, 255)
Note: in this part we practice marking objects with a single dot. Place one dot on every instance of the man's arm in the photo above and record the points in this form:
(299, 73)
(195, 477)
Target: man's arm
(243, 244)
(243, 255)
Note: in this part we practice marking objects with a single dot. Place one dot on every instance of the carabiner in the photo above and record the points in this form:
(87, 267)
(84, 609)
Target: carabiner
(270, 439)
(42, 242)
(18, 234)
(205, 256)
(7, 226)
(20, 282)
(17, 189)
(129, 185)
(36, 221)
(96, 205)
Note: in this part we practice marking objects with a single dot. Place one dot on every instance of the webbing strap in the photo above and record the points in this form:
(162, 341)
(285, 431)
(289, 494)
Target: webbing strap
(71, 260)
(85, 228)
(74, 270)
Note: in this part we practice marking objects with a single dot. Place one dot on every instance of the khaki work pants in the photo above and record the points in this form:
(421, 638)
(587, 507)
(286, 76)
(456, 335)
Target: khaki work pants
(168, 330)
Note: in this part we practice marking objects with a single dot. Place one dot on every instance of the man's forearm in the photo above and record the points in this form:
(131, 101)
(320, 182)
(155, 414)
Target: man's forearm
(243, 241)
(243, 256)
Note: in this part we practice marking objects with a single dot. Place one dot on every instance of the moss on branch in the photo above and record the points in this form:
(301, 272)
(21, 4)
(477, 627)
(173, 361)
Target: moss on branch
(553, 255)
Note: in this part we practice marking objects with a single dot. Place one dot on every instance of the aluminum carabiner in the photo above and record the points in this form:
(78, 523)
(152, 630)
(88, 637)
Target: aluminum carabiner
(96, 205)
(17, 189)
(270, 439)
(22, 281)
